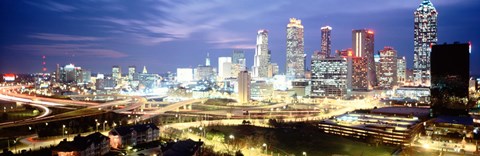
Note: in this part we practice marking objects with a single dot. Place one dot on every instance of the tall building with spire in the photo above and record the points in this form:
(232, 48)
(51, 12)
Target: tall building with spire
(363, 46)
(326, 42)
(295, 64)
(262, 55)
(425, 36)
(144, 70)
(207, 60)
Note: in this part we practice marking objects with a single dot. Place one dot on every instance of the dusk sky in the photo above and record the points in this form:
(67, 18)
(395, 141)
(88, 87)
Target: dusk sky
(165, 35)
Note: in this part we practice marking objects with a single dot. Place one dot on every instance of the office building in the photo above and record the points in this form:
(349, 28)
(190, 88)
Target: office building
(401, 70)
(184, 74)
(425, 36)
(317, 55)
(388, 68)
(329, 77)
(380, 125)
(224, 67)
(244, 87)
(363, 46)
(238, 56)
(326, 40)
(450, 76)
(272, 70)
(262, 55)
(295, 64)
(204, 73)
(132, 70)
(359, 74)
(144, 71)
(116, 73)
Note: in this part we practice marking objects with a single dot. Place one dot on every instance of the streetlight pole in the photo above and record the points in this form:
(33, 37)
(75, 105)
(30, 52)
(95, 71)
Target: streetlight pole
(266, 147)
(98, 124)
(104, 125)
(63, 130)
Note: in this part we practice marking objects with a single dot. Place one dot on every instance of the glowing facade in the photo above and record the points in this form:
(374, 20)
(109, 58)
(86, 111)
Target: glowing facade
(326, 42)
(388, 68)
(224, 67)
(295, 65)
(262, 55)
(131, 72)
(425, 36)
(330, 77)
(401, 70)
(363, 46)
(116, 73)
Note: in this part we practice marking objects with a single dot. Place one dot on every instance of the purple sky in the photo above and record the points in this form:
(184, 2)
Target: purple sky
(165, 35)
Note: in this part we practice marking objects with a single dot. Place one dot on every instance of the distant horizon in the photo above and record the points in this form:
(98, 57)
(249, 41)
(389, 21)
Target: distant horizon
(164, 36)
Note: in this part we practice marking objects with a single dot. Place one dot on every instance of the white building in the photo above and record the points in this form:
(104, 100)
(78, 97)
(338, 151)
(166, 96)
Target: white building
(184, 74)
(224, 67)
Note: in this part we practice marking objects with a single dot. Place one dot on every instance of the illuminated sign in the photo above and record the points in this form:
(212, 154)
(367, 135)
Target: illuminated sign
(9, 77)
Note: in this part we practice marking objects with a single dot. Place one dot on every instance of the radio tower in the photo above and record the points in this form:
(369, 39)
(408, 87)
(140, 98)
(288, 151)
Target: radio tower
(44, 68)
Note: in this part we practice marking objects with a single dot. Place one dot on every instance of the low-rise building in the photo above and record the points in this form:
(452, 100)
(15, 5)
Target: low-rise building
(122, 137)
(391, 125)
(91, 145)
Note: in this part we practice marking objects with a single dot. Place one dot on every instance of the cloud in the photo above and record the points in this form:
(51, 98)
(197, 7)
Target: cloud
(53, 6)
(63, 37)
(87, 50)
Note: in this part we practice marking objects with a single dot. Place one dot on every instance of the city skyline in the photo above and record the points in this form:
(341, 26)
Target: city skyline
(72, 33)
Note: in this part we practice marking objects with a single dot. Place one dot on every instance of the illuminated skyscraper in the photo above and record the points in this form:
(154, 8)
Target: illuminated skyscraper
(401, 70)
(144, 70)
(330, 77)
(363, 46)
(116, 73)
(425, 36)
(262, 55)
(295, 65)
(326, 42)
(388, 68)
(131, 72)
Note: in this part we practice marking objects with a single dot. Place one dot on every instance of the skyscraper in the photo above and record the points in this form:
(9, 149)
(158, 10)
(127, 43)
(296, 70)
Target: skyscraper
(326, 42)
(207, 60)
(144, 70)
(295, 64)
(224, 67)
(238, 56)
(330, 77)
(116, 73)
(388, 68)
(401, 70)
(450, 77)
(131, 72)
(425, 36)
(262, 55)
(243, 87)
(363, 46)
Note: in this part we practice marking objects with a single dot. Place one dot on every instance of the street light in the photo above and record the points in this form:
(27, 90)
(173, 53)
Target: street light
(97, 126)
(266, 148)
(63, 129)
(304, 153)
(231, 136)
(104, 125)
